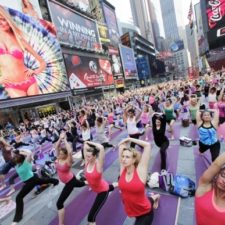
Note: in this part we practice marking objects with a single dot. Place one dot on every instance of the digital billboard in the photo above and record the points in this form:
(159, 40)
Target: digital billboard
(177, 46)
(215, 10)
(31, 61)
(111, 21)
(103, 33)
(128, 62)
(88, 72)
(143, 68)
(117, 69)
(74, 29)
(29, 7)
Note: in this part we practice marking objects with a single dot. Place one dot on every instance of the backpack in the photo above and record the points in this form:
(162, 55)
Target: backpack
(165, 180)
(182, 186)
(48, 170)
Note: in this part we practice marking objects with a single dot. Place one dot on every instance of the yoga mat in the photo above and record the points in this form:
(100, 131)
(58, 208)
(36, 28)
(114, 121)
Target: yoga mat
(79, 207)
(202, 162)
(171, 161)
(113, 211)
(167, 210)
(193, 133)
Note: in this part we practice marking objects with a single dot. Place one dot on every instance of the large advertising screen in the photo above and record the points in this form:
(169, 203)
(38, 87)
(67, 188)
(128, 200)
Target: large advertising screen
(31, 61)
(128, 61)
(117, 69)
(88, 72)
(111, 21)
(215, 10)
(29, 7)
(74, 29)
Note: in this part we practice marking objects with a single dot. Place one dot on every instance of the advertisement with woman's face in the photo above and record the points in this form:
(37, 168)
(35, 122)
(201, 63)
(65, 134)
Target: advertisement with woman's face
(31, 61)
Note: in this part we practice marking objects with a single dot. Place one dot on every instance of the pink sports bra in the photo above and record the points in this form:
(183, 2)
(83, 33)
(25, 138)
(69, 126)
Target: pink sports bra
(16, 53)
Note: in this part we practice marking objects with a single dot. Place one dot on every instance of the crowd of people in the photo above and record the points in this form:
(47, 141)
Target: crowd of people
(88, 128)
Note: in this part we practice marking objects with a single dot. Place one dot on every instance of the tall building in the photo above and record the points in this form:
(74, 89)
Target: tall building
(141, 15)
(157, 25)
(175, 35)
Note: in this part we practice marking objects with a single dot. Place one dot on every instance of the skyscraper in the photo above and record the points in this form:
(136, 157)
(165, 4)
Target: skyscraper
(141, 15)
(174, 33)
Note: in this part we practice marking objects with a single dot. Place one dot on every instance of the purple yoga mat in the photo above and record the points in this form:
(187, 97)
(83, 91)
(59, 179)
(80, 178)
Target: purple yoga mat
(202, 162)
(193, 133)
(113, 211)
(167, 210)
(172, 158)
(80, 206)
(176, 130)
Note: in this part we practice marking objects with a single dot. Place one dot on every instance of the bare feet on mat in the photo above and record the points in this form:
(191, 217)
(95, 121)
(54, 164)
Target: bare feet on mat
(156, 198)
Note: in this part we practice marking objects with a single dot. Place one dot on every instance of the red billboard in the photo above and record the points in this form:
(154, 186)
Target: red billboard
(215, 10)
(88, 72)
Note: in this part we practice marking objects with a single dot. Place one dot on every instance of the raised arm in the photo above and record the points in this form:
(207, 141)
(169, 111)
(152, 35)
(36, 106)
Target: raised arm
(58, 143)
(221, 94)
(101, 154)
(215, 120)
(28, 154)
(198, 118)
(206, 180)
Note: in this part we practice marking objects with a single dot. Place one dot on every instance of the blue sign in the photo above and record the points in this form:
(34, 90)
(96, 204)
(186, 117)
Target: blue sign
(129, 63)
(143, 68)
(177, 46)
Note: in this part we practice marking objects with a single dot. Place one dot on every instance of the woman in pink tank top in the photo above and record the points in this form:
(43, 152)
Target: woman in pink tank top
(132, 181)
(94, 155)
(66, 176)
(210, 194)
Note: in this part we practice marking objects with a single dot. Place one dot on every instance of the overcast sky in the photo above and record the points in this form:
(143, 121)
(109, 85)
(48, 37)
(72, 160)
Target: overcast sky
(123, 9)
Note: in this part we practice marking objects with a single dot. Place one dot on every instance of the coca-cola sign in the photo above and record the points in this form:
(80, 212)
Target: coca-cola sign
(215, 12)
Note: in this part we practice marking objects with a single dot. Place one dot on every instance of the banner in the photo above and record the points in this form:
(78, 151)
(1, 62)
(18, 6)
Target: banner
(34, 64)
(193, 73)
(74, 29)
(111, 21)
(103, 33)
(88, 72)
(128, 61)
(215, 10)
(116, 66)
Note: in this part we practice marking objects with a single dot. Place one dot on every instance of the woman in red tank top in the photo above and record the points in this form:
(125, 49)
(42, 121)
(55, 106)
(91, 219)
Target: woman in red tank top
(210, 194)
(94, 155)
(132, 181)
(63, 166)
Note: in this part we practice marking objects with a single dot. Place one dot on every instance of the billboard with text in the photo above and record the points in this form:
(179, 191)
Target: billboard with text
(33, 64)
(74, 29)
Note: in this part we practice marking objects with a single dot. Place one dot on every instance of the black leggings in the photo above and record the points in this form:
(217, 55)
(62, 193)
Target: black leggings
(147, 218)
(214, 149)
(136, 136)
(107, 145)
(68, 188)
(163, 153)
(98, 203)
(26, 189)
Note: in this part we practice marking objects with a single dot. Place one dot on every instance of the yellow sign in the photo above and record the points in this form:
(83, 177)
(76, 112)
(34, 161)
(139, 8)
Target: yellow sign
(103, 33)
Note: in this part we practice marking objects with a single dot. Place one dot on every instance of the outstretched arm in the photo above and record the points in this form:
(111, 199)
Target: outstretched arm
(206, 180)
